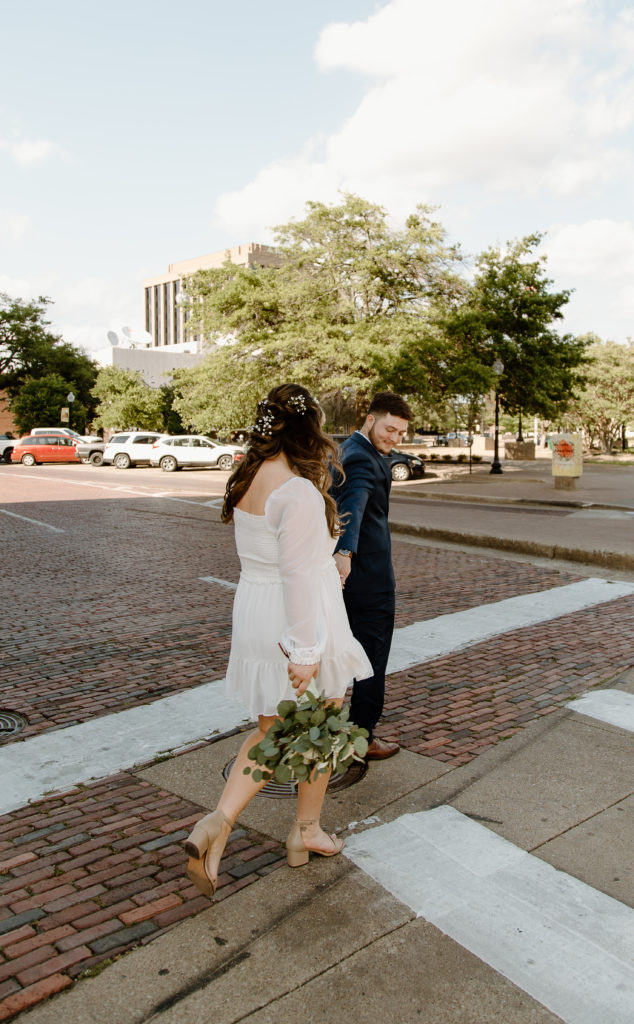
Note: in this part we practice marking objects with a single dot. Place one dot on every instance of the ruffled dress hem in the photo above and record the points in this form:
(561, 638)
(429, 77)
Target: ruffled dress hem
(261, 685)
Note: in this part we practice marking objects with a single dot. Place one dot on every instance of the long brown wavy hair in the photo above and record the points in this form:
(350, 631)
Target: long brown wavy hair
(288, 420)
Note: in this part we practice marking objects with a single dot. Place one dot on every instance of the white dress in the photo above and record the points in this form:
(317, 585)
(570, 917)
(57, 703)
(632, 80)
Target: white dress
(290, 593)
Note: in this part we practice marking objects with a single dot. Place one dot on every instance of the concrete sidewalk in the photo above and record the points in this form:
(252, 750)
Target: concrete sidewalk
(332, 941)
(602, 485)
(521, 511)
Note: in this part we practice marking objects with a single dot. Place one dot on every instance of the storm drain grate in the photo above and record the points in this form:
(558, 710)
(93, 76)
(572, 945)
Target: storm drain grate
(10, 724)
(286, 790)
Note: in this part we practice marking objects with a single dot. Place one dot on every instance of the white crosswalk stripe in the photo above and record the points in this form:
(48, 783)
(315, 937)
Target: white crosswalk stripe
(612, 706)
(566, 944)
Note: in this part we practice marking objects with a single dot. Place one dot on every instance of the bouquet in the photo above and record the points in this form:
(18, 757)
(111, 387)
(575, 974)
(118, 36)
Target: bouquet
(311, 736)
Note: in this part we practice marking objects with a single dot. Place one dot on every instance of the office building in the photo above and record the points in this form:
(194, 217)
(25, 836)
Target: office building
(165, 320)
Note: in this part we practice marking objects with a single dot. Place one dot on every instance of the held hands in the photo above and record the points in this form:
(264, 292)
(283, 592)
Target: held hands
(301, 675)
(343, 563)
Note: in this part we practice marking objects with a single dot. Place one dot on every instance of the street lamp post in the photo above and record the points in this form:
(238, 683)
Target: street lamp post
(70, 398)
(498, 369)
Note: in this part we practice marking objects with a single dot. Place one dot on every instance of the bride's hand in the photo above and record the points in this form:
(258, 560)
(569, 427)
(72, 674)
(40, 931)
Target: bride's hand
(301, 675)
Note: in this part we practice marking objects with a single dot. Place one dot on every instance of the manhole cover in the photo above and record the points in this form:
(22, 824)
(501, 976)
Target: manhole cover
(286, 790)
(10, 724)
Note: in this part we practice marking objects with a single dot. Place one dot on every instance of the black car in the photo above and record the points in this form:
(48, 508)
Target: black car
(405, 466)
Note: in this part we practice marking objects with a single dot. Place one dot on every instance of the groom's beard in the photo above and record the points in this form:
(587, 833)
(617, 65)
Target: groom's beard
(384, 447)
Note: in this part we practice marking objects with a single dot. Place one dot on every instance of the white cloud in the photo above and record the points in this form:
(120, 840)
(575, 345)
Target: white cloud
(526, 98)
(596, 258)
(13, 226)
(286, 186)
(85, 309)
(33, 151)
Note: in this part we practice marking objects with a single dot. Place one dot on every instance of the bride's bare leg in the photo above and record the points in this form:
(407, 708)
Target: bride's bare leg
(239, 790)
(310, 798)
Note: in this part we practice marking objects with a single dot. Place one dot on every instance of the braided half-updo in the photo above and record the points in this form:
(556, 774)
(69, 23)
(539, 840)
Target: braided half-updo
(288, 421)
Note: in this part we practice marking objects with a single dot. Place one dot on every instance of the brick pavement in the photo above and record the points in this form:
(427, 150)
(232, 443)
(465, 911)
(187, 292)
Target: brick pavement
(457, 706)
(115, 618)
(87, 875)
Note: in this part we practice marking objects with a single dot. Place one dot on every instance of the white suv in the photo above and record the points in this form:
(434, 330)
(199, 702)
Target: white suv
(130, 448)
(67, 432)
(172, 453)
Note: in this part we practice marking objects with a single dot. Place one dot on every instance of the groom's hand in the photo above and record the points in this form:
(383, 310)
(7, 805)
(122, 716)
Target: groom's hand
(343, 563)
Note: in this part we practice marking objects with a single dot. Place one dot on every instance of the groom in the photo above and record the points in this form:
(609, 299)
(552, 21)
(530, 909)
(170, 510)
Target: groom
(363, 553)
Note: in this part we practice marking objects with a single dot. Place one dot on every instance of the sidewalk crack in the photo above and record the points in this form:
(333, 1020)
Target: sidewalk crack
(583, 821)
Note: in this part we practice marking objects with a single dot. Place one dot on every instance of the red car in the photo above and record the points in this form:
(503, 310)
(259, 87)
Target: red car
(44, 448)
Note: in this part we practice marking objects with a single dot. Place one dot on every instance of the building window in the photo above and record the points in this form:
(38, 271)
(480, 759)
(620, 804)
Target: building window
(167, 308)
(148, 311)
(157, 314)
(176, 311)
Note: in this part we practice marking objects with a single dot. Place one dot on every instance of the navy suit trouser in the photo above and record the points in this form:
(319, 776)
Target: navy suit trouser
(372, 623)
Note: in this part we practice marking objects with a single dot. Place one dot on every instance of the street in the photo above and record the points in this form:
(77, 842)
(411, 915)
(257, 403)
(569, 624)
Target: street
(118, 589)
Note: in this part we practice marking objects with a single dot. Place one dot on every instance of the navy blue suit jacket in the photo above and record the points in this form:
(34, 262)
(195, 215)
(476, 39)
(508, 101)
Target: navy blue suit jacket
(363, 502)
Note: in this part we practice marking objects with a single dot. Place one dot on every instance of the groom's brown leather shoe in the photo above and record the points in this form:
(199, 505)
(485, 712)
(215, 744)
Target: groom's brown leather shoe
(380, 749)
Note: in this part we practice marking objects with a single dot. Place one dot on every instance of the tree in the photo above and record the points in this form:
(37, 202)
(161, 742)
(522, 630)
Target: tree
(349, 296)
(606, 405)
(509, 315)
(30, 352)
(38, 403)
(125, 401)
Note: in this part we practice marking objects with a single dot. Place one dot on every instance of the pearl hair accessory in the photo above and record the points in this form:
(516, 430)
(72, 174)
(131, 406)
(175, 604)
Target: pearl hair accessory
(266, 415)
(299, 403)
(265, 420)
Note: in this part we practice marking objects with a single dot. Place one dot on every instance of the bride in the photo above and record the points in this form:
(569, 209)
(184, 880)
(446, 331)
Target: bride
(289, 619)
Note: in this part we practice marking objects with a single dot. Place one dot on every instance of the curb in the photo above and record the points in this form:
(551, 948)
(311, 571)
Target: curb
(606, 559)
(498, 500)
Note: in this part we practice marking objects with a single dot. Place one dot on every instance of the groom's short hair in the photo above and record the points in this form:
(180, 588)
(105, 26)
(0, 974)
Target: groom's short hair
(385, 402)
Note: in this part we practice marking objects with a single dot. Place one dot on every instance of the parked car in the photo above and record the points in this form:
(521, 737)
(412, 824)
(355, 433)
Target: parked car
(6, 447)
(131, 448)
(453, 440)
(36, 448)
(91, 452)
(66, 432)
(171, 453)
(403, 466)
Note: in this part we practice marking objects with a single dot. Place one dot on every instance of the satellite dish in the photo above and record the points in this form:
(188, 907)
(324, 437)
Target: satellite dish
(113, 338)
(136, 339)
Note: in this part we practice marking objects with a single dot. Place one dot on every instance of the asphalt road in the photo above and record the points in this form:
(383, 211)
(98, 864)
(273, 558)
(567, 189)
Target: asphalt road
(74, 482)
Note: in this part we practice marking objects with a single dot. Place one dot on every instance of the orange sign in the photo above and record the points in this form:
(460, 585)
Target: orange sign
(567, 458)
(564, 449)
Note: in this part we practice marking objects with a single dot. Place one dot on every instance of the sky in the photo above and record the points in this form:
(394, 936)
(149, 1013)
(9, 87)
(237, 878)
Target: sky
(137, 134)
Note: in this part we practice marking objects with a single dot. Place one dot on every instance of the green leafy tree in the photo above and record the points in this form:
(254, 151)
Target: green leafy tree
(38, 403)
(125, 401)
(349, 296)
(606, 405)
(30, 352)
(509, 314)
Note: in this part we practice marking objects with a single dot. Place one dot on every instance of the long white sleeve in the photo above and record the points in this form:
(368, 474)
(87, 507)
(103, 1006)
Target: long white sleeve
(296, 513)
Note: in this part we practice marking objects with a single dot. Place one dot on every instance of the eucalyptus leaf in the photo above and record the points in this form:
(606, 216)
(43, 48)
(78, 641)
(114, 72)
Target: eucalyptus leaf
(360, 745)
(283, 773)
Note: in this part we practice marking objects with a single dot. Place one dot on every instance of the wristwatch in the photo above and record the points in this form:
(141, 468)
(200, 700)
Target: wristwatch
(344, 551)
